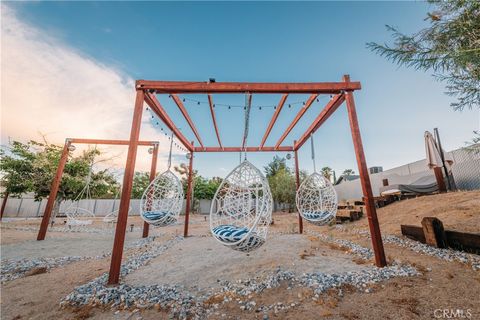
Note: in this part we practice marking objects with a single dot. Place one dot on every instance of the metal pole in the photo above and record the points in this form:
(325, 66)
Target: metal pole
(442, 156)
(153, 171)
(53, 192)
(4, 203)
(376, 236)
(117, 252)
(297, 180)
(189, 192)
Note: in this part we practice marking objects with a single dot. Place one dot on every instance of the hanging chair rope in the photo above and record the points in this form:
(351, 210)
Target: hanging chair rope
(248, 106)
(313, 152)
(170, 152)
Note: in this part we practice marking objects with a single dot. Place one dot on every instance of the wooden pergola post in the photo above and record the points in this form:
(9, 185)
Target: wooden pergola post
(297, 182)
(373, 224)
(153, 172)
(117, 252)
(53, 191)
(4, 203)
(189, 194)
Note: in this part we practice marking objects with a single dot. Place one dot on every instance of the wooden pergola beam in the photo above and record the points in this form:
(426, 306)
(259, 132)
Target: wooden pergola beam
(248, 149)
(182, 108)
(212, 112)
(155, 105)
(299, 115)
(177, 87)
(274, 119)
(110, 142)
(329, 109)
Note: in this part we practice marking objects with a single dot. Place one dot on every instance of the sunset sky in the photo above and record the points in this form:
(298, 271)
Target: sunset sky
(68, 70)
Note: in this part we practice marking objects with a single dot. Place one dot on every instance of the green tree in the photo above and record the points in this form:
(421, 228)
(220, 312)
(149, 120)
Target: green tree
(283, 187)
(16, 166)
(275, 166)
(140, 183)
(36, 164)
(348, 172)
(450, 47)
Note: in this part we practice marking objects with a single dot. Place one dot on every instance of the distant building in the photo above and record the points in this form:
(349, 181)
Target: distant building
(347, 178)
(375, 170)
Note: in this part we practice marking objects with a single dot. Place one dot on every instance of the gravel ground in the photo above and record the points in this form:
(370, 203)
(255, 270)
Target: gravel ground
(184, 262)
(444, 254)
(16, 268)
(418, 247)
(182, 302)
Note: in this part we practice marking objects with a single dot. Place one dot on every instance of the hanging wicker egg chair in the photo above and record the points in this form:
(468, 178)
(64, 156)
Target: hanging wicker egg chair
(162, 201)
(241, 209)
(316, 200)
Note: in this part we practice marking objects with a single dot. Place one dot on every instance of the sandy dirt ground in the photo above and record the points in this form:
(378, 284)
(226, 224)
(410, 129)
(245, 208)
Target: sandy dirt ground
(199, 259)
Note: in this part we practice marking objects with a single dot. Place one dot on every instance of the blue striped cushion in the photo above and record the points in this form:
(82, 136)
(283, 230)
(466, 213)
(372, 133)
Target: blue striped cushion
(318, 217)
(229, 233)
(315, 215)
(160, 217)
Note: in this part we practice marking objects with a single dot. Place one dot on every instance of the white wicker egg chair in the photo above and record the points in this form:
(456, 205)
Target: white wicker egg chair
(241, 209)
(316, 198)
(162, 201)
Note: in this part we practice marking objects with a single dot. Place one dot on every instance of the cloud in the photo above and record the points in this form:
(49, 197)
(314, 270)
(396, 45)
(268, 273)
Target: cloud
(54, 89)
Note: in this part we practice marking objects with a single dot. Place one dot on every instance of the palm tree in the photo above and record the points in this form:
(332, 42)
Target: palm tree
(327, 173)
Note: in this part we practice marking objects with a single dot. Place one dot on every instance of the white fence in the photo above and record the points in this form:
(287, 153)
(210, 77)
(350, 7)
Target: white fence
(27, 207)
(465, 171)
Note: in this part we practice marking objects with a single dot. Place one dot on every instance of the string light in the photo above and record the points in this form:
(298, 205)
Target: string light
(156, 123)
(230, 106)
(154, 119)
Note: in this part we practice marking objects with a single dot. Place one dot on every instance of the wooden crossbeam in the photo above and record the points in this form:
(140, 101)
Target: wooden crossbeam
(299, 115)
(330, 108)
(110, 142)
(176, 87)
(153, 102)
(180, 105)
(274, 119)
(212, 111)
(248, 149)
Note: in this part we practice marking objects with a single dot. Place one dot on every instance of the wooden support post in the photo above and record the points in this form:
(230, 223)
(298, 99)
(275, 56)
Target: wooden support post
(434, 233)
(4, 203)
(297, 180)
(117, 252)
(153, 171)
(376, 236)
(52, 197)
(189, 194)
(440, 181)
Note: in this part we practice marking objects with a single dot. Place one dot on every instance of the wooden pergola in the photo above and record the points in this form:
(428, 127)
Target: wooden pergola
(146, 92)
(61, 166)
